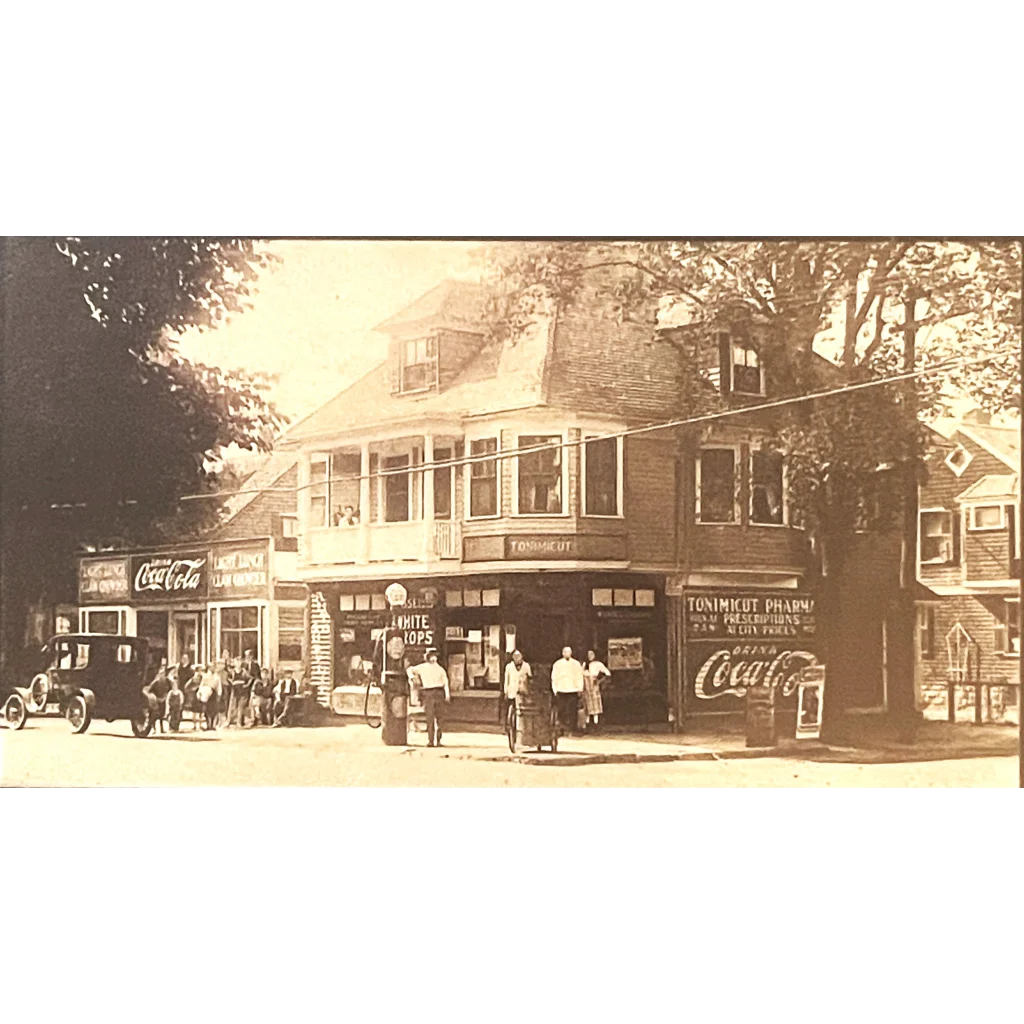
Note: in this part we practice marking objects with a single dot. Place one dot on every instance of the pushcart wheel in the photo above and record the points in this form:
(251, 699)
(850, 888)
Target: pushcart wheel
(15, 712)
(510, 728)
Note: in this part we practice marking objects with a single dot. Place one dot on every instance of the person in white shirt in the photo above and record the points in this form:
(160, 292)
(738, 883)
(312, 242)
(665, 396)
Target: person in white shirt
(434, 692)
(517, 678)
(567, 685)
(594, 673)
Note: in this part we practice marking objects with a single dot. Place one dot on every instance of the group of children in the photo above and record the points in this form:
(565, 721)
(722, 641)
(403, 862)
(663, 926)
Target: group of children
(227, 692)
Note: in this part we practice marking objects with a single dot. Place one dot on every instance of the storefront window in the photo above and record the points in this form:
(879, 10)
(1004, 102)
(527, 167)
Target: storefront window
(239, 630)
(483, 658)
(102, 622)
(716, 486)
(601, 469)
(540, 475)
(483, 478)
(766, 488)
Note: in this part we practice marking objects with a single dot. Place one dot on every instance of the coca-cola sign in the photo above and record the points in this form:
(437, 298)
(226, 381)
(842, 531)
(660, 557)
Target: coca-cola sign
(182, 576)
(723, 671)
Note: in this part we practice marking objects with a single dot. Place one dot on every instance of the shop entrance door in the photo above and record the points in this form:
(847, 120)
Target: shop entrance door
(541, 639)
(153, 626)
(186, 636)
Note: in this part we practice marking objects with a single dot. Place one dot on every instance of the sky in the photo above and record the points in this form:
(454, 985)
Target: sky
(312, 320)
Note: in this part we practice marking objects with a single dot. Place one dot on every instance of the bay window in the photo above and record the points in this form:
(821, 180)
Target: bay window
(717, 486)
(602, 476)
(540, 475)
(986, 517)
(483, 478)
(767, 488)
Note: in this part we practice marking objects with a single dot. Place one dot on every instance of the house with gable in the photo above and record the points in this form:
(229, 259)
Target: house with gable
(968, 611)
(506, 486)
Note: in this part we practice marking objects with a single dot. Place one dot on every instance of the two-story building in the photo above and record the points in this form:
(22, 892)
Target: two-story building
(230, 590)
(508, 486)
(968, 612)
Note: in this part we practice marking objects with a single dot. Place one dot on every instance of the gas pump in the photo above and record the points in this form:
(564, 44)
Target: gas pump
(393, 681)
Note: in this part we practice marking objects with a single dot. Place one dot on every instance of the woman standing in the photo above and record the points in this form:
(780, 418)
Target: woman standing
(594, 674)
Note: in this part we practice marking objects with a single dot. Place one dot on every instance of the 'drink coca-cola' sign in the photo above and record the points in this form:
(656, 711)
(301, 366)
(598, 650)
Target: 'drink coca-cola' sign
(183, 576)
(738, 642)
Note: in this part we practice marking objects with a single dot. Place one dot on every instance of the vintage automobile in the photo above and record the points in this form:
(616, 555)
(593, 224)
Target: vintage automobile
(91, 675)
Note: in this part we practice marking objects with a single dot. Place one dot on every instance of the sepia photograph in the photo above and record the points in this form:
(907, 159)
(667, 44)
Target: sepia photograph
(511, 512)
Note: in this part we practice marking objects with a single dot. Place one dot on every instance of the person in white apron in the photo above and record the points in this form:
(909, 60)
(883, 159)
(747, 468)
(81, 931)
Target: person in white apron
(594, 674)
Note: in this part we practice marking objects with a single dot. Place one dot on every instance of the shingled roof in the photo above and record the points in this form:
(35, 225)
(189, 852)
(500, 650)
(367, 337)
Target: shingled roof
(571, 362)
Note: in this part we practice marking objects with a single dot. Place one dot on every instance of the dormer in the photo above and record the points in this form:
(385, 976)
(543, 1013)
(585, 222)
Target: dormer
(432, 339)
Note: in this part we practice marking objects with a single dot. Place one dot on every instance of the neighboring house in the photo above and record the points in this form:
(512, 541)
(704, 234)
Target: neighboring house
(968, 614)
(663, 558)
(232, 589)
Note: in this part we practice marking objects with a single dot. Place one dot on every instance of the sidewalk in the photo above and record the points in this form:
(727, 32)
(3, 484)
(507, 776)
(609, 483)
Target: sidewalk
(936, 742)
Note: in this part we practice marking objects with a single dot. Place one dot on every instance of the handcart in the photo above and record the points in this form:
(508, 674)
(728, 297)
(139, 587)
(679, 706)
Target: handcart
(532, 722)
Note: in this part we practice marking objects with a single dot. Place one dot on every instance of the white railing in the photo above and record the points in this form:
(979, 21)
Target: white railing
(380, 542)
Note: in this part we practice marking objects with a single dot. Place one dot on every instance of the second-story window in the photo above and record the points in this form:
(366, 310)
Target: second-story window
(419, 364)
(717, 486)
(601, 477)
(540, 475)
(938, 532)
(767, 488)
(483, 478)
(443, 485)
(319, 490)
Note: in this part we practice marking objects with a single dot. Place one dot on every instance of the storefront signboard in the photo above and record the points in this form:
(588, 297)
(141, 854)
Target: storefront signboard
(238, 572)
(103, 580)
(419, 629)
(183, 576)
(541, 546)
(731, 616)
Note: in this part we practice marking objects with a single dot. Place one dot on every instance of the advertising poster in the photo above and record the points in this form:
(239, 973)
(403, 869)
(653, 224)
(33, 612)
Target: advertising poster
(182, 576)
(103, 581)
(625, 654)
(735, 641)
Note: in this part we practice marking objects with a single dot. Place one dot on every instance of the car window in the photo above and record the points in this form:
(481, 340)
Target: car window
(125, 653)
(81, 656)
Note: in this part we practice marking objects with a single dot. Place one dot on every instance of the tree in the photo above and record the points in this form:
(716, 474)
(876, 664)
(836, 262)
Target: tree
(105, 424)
(874, 307)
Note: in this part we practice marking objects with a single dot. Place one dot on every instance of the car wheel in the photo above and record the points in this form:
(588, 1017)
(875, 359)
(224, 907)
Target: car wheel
(15, 712)
(39, 690)
(142, 723)
(78, 714)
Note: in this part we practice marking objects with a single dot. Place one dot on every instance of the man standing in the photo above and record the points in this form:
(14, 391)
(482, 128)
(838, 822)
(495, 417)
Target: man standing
(517, 678)
(434, 692)
(567, 685)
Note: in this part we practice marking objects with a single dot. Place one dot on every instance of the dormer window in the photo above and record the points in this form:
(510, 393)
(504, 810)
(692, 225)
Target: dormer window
(418, 371)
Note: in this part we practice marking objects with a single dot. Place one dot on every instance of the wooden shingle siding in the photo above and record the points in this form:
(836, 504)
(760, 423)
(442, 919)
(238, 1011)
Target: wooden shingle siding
(650, 499)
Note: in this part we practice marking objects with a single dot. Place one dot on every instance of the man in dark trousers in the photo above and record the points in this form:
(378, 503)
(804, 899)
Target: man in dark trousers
(241, 688)
(434, 693)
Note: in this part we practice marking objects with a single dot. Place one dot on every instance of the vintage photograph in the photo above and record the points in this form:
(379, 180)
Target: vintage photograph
(615, 512)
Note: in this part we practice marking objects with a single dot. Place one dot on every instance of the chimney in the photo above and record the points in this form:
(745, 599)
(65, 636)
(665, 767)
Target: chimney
(978, 417)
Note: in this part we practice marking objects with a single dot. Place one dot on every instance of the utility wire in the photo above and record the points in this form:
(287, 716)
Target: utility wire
(511, 453)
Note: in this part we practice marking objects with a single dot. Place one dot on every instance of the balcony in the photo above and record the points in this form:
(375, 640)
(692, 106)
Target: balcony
(412, 541)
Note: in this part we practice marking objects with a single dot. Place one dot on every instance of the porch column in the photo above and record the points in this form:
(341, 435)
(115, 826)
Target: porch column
(363, 554)
(429, 539)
